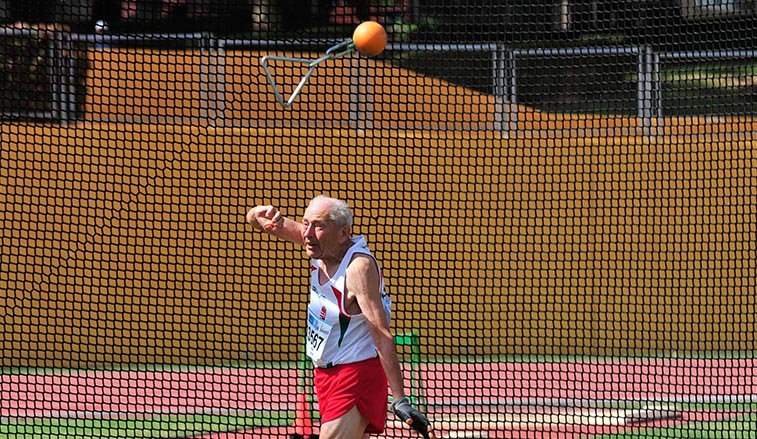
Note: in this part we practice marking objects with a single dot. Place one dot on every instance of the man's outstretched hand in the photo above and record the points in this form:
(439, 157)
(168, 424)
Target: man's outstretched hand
(412, 417)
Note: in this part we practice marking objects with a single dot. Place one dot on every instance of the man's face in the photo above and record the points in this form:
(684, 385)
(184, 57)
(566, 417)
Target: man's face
(323, 238)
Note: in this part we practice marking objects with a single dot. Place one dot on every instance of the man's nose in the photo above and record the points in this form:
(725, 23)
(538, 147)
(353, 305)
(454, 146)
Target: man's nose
(309, 230)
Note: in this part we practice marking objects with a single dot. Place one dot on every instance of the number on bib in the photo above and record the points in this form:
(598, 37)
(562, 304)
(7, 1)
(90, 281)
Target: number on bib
(317, 332)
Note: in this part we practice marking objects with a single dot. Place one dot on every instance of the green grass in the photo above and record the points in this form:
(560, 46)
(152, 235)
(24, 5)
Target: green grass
(709, 76)
(162, 426)
(740, 427)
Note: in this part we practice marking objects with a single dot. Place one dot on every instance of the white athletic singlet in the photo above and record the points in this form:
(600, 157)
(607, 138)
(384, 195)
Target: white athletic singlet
(333, 336)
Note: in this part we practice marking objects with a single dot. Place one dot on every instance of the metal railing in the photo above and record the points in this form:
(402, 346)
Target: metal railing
(505, 78)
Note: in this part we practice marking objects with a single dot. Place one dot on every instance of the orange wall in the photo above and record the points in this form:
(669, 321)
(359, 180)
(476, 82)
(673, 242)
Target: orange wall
(126, 243)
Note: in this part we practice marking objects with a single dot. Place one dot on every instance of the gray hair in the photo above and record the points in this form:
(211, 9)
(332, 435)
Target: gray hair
(339, 211)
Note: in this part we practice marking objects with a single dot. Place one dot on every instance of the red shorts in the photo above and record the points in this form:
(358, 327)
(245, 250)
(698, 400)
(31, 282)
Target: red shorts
(344, 386)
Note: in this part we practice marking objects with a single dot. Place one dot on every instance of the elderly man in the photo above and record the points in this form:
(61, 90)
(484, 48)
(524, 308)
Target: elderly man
(348, 336)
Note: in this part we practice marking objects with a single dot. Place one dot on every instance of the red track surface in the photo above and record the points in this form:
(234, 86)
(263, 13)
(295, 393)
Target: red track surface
(447, 387)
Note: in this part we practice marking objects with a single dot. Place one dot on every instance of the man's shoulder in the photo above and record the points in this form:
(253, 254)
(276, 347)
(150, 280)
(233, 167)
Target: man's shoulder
(362, 258)
(363, 261)
(359, 242)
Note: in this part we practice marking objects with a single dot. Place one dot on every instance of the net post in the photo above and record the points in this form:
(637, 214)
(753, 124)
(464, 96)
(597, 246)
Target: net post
(512, 111)
(644, 91)
(355, 102)
(499, 67)
(412, 339)
(220, 87)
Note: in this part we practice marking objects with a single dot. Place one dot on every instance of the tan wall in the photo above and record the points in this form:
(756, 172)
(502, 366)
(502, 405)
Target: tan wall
(126, 243)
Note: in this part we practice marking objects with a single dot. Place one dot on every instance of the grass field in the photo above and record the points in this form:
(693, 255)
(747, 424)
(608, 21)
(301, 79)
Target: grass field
(740, 427)
(166, 426)
(159, 426)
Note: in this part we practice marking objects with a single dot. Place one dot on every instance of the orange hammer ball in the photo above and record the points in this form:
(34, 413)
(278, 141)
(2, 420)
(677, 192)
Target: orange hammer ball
(369, 38)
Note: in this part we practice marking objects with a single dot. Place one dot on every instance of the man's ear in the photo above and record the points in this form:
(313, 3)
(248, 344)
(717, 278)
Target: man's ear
(345, 233)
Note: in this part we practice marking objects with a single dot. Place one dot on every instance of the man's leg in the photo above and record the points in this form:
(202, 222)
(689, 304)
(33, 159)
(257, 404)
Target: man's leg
(351, 425)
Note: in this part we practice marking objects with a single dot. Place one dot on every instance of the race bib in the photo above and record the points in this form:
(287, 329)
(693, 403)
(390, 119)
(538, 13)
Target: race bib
(317, 332)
